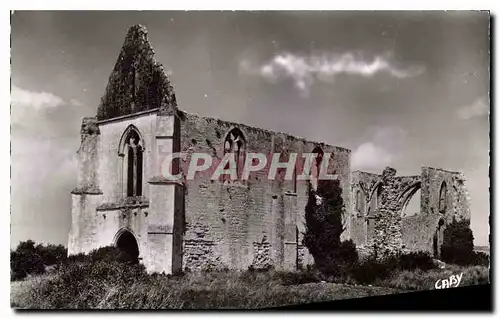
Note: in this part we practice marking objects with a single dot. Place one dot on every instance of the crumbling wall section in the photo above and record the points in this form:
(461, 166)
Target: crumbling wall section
(87, 195)
(387, 223)
(388, 237)
(457, 197)
(364, 183)
(456, 202)
(138, 82)
(255, 222)
(393, 232)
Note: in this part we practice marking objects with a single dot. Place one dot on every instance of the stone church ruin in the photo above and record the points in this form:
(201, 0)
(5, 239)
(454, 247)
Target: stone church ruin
(123, 199)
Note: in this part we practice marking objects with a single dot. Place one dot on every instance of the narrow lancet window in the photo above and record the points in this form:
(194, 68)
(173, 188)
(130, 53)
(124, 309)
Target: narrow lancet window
(134, 164)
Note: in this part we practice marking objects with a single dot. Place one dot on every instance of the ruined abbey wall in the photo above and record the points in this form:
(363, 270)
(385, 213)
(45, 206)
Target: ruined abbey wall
(380, 223)
(257, 222)
(203, 223)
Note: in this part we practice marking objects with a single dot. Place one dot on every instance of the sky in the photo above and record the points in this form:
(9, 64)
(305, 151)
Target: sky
(399, 89)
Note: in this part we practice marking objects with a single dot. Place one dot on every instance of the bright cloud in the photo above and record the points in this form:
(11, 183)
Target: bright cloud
(28, 105)
(37, 100)
(370, 156)
(478, 108)
(380, 150)
(305, 70)
(75, 102)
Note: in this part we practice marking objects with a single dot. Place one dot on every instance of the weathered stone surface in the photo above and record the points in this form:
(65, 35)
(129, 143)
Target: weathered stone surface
(138, 82)
(203, 223)
(394, 232)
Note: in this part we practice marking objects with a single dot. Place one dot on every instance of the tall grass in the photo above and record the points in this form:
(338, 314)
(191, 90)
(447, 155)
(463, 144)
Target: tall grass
(107, 279)
(111, 285)
(114, 285)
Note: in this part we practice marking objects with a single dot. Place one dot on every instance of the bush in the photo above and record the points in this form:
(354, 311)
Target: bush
(81, 257)
(416, 260)
(31, 259)
(52, 254)
(346, 252)
(25, 262)
(369, 270)
(458, 245)
(28, 245)
(480, 259)
(373, 269)
(111, 254)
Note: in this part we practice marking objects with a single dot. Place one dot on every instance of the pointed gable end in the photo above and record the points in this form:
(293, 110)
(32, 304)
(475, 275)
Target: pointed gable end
(137, 83)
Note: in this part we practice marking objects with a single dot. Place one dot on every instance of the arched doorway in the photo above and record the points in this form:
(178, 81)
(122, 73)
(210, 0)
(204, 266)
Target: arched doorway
(438, 239)
(127, 243)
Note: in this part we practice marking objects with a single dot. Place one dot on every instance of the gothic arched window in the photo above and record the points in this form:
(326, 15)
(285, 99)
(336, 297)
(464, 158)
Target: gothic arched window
(318, 158)
(442, 198)
(235, 144)
(134, 153)
(316, 166)
(360, 202)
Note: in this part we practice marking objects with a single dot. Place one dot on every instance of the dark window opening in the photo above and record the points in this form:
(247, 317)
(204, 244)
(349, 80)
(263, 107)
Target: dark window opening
(235, 144)
(318, 159)
(134, 164)
(443, 198)
(360, 202)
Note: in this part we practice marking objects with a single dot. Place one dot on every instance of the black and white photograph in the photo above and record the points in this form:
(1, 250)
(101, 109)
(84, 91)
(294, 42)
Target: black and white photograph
(247, 160)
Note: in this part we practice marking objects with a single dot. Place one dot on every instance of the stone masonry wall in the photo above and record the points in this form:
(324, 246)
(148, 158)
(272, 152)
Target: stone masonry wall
(393, 232)
(242, 223)
(365, 183)
(138, 82)
(457, 201)
(213, 224)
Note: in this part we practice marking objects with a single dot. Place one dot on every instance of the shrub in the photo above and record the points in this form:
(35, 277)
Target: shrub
(458, 245)
(25, 262)
(324, 226)
(369, 270)
(111, 254)
(346, 252)
(416, 260)
(81, 257)
(52, 254)
(480, 259)
(28, 245)
(28, 259)
(31, 259)
(105, 254)
(373, 269)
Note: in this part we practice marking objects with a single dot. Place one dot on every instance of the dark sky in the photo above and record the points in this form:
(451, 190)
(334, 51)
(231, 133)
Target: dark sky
(399, 89)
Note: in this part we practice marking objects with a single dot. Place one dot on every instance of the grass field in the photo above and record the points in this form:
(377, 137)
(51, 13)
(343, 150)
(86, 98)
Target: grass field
(76, 289)
(221, 290)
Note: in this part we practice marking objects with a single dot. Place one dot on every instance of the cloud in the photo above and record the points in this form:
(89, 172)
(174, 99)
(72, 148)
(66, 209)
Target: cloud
(31, 106)
(75, 102)
(37, 100)
(479, 108)
(305, 70)
(381, 150)
(370, 156)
